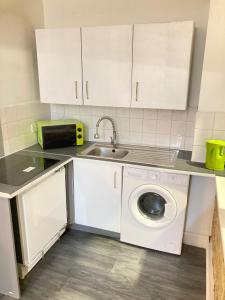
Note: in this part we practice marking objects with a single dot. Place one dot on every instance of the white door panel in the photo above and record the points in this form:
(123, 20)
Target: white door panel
(107, 63)
(59, 65)
(161, 65)
(97, 190)
(42, 214)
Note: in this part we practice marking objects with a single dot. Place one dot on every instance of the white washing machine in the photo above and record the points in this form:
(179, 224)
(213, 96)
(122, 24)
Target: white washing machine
(153, 209)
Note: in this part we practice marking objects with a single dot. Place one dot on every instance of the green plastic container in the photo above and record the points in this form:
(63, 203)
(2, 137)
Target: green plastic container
(215, 157)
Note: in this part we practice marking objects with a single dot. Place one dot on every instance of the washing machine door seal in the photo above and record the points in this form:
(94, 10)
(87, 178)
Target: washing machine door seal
(152, 206)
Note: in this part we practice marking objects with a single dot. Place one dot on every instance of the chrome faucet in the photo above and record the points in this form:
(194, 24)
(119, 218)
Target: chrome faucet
(113, 138)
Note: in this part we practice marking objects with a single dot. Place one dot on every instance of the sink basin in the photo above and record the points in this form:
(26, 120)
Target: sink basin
(107, 152)
(134, 154)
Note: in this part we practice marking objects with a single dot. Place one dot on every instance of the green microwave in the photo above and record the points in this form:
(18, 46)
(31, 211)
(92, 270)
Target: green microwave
(60, 133)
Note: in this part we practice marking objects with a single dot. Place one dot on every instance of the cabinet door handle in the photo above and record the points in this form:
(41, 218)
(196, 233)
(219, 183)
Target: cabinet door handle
(76, 92)
(115, 176)
(137, 90)
(87, 94)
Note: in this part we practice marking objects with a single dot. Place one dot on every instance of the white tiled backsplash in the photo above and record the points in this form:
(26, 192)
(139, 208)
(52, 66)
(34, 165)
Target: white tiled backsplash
(136, 126)
(15, 124)
(208, 125)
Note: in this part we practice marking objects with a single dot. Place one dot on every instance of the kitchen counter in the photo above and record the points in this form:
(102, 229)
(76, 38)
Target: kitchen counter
(183, 163)
(64, 155)
(10, 191)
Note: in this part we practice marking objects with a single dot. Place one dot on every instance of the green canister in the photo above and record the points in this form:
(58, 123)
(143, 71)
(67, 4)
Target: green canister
(215, 157)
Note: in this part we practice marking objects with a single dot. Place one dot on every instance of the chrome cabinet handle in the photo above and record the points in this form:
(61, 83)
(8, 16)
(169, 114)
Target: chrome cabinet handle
(76, 92)
(87, 94)
(137, 90)
(115, 175)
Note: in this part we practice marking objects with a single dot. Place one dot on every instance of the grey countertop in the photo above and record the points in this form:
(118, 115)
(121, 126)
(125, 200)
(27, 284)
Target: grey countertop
(64, 155)
(9, 191)
(183, 162)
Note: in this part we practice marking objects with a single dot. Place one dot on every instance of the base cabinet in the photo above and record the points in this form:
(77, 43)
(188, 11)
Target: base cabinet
(97, 192)
(42, 215)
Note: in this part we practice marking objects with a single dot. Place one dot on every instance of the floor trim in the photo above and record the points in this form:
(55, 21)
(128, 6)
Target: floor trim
(196, 240)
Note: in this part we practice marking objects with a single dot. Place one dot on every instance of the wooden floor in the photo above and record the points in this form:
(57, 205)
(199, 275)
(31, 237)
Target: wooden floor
(84, 266)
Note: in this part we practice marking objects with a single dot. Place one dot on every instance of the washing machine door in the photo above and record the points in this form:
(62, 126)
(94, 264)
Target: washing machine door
(152, 206)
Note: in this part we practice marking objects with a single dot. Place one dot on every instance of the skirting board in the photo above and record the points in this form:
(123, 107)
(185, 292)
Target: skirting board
(197, 240)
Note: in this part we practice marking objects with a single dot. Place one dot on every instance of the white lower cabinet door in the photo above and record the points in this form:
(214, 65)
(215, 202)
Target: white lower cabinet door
(42, 214)
(97, 191)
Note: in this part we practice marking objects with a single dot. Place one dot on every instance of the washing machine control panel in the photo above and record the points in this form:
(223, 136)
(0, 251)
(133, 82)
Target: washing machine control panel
(157, 177)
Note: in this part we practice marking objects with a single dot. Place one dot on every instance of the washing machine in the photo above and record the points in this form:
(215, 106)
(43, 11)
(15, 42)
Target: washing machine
(154, 208)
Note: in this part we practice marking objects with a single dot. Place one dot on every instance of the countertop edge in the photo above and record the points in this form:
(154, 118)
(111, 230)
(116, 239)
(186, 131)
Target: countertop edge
(35, 180)
(220, 189)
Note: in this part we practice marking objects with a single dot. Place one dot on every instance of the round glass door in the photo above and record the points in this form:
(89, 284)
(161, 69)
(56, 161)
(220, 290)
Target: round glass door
(152, 205)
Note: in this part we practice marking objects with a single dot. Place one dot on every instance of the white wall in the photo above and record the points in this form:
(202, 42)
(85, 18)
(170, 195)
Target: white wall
(210, 120)
(208, 125)
(18, 73)
(212, 96)
(59, 13)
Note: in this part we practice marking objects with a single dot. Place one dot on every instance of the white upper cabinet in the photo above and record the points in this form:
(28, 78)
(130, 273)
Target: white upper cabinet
(107, 64)
(59, 65)
(161, 65)
(212, 93)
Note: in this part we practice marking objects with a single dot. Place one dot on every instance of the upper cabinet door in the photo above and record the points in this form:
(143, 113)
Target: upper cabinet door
(212, 93)
(59, 65)
(161, 65)
(107, 64)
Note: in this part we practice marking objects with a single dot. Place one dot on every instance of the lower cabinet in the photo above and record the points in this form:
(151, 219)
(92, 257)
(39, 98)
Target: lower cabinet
(42, 216)
(97, 192)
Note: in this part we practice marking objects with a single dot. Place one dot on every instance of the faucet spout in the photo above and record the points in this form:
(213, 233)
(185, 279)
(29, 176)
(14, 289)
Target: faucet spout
(113, 138)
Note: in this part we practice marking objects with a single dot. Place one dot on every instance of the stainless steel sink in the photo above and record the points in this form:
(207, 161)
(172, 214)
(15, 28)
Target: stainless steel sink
(108, 152)
(133, 154)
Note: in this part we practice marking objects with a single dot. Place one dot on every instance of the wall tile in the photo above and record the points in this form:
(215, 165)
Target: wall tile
(17, 121)
(177, 141)
(204, 120)
(122, 112)
(163, 127)
(135, 138)
(188, 143)
(179, 115)
(219, 134)
(219, 123)
(189, 131)
(136, 113)
(207, 126)
(178, 128)
(201, 136)
(165, 115)
(162, 140)
(150, 114)
(149, 139)
(138, 126)
(198, 153)
(149, 126)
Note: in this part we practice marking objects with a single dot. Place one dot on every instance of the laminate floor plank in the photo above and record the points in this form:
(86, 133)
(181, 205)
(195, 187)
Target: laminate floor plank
(84, 266)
